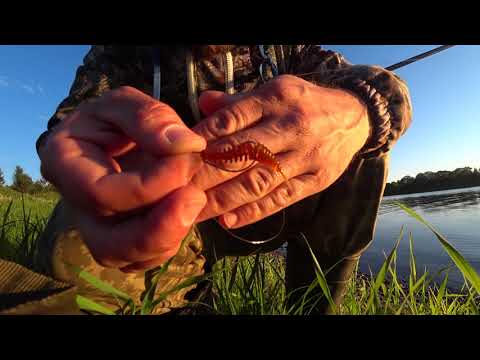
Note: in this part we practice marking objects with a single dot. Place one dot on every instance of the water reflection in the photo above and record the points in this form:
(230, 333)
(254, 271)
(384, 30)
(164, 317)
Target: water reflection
(435, 201)
(455, 213)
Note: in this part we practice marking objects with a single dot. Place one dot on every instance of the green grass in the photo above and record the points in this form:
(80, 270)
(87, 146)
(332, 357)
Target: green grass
(260, 290)
(39, 205)
(255, 285)
(22, 219)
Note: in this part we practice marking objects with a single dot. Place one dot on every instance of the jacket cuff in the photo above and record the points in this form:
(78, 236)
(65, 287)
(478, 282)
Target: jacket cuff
(387, 99)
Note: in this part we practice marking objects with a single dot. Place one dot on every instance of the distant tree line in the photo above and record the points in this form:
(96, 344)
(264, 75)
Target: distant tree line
(23, 182)
(434, 181)
(423, 182)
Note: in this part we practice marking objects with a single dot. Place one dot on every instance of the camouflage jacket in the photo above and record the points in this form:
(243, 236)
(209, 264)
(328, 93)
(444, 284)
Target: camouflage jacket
(108, 67)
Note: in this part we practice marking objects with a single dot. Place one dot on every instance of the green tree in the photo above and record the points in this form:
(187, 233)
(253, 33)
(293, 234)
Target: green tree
(433, 181)
(2, 179)
(21, 180)
(42, 185)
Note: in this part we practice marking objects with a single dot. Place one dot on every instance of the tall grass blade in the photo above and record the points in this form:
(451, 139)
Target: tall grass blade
(441, 291)
(254, 271)
(322, 280)
(467, 270)
(99, 284)
(413, 265)
(89, 305)
(233, 275)
(4, 243)
(380, 278)
(186, 283)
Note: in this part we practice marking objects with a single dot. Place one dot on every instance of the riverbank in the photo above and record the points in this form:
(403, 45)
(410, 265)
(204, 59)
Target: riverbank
(432, 190)
(256, 285)
(435, 181)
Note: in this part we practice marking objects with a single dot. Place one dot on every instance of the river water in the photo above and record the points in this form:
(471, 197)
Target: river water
(454, 213)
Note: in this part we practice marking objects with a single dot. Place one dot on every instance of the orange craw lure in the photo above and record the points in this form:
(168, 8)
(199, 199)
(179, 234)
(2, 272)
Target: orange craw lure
(248, 150)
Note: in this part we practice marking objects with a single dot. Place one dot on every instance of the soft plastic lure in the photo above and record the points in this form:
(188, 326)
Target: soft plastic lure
(248, 150)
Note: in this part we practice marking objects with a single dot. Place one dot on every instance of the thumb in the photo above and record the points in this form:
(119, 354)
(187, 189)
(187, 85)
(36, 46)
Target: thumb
(210, 101)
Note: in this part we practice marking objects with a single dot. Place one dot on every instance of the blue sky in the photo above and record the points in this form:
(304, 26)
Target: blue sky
(444, 90)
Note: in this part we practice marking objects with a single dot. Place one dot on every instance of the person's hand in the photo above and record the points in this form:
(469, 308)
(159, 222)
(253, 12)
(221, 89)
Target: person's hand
(124, 162)
(313, 131)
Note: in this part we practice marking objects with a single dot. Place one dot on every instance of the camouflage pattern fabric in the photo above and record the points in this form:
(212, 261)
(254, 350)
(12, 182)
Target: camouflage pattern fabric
(24, 292)
(338, 223)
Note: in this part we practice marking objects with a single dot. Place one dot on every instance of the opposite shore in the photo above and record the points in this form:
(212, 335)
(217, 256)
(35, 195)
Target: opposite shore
(434, 181)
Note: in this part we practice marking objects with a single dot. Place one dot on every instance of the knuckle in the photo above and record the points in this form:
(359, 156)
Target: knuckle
(259, 181)
(90, 197)
(52, 156)
(53, 147)
(141, 193)
(281, 197)
(218, 201)
(286, 87)
(287, 78)
(144, 108)
(227, 121)
(280, 89)
(251, 211)
(120, 93)
(146, 111)
(322, 179)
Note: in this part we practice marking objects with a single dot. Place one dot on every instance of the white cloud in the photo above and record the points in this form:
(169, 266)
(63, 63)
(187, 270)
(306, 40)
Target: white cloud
(43, 117)
(32, 89)
(28, 88)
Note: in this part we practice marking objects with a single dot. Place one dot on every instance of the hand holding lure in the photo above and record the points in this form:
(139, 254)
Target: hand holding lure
(248, 150)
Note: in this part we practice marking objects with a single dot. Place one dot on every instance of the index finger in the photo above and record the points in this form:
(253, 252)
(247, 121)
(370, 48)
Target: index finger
(153, 125)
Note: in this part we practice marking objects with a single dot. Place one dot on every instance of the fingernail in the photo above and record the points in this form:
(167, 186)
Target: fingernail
(191, 210)
(177, 134)
(230, 219)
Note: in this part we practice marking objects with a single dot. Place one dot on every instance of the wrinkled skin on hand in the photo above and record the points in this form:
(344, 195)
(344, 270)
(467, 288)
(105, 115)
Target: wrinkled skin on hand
(314, 132)
(124, 162)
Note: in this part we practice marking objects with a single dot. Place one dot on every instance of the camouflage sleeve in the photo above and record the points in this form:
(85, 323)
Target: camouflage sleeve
(103, 68)
(385, 94)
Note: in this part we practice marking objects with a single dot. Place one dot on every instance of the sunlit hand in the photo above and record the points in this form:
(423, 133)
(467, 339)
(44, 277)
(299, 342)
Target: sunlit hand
(314, 132)
(124, 163)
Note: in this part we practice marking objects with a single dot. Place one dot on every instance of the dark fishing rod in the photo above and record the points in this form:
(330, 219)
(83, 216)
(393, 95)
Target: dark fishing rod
(418, 57)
